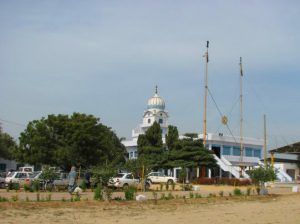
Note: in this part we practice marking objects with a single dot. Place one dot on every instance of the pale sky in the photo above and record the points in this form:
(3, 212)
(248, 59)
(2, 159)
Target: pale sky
(105, 58)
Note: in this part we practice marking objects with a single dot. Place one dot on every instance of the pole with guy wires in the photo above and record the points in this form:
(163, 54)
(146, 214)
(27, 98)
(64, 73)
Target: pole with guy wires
(241, 120)
(205, 92)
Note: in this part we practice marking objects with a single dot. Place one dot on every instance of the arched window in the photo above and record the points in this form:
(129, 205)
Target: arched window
(149, 121)
(160, 121)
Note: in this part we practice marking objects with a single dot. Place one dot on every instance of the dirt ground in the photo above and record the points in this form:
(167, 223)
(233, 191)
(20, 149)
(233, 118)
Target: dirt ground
(276, 208)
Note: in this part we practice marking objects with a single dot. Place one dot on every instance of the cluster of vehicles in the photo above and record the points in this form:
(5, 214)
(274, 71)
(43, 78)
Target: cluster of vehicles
(121, 180)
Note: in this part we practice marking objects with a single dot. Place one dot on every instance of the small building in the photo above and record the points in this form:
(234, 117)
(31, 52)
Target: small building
(287, 159)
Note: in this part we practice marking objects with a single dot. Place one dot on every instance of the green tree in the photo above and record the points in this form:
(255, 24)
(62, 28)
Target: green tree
(150, 148)
(7, 145)
(172, 137)
(63, 140)
(154, 135)
(262, 175)
(191, 153)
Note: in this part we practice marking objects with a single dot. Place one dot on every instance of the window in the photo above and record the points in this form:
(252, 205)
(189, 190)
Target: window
(130, 154)
(2, 167)
(236, 151)
(129, 176)
(226, 150)
(160, 121)
(149, 121)
(249, 152)
(257, 153)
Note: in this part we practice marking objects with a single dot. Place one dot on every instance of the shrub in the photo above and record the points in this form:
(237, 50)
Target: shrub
(170, 196)
(83, 186)
(237, 192)
(191, 195)
(108, 193)
(167, 186)
(15, 197)
(35, 185)
(38, 196)
(197, 195)
(221, 193)
(161, 185)
(3, 199)
(98, 193)
(187, 187)
(173, 186)
(248, 191)
(48, 197)
(26, 187)
(129, 193)
(154, 197)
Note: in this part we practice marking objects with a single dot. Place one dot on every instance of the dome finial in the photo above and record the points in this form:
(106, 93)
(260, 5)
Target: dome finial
(156, 89)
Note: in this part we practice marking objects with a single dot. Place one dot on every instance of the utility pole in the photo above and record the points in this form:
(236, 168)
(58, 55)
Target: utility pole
(265, 141)
(205, 93)
(241, 120)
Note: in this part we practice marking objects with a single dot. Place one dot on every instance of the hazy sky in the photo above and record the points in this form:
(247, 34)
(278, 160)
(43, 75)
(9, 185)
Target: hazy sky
(105, 58)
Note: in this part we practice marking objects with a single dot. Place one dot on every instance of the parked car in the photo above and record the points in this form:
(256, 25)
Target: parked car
(17, 177)
(123, 180)
(158, 177)
(61, 183)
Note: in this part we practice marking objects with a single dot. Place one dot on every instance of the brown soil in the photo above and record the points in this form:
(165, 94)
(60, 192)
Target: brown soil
(284, 208)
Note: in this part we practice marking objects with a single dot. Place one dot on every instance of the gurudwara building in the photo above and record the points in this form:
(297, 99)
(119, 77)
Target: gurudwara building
(227, 151)
(155, 112)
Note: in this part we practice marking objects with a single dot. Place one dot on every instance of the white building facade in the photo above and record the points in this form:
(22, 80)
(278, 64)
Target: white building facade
(155, 112)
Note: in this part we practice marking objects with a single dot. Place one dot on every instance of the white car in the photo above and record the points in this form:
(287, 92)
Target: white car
(158, 177)
(123, 180)
(17, 177)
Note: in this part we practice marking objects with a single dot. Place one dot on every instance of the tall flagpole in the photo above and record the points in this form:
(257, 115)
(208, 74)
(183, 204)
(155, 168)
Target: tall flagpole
(241, 119)
(265, 141)
(205, 93)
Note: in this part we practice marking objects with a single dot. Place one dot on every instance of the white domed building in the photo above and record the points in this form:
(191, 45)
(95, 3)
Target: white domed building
(155, 112)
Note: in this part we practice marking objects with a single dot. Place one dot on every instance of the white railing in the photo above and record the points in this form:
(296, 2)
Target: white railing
(234, 170)
(226, 166)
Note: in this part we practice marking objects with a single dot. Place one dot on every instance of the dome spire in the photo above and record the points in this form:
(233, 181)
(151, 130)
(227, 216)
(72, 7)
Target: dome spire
(156, 89)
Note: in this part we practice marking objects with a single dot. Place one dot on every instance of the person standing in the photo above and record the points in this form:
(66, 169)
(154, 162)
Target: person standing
(72, 180)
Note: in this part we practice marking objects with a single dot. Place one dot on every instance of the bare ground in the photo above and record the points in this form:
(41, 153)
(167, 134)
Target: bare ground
(283, 208)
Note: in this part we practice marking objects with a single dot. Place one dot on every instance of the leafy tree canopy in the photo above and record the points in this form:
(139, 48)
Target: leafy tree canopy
(150, 147)
(7, 145)
(63, 140)
(190, 153)
(262, 174)
(172, 137)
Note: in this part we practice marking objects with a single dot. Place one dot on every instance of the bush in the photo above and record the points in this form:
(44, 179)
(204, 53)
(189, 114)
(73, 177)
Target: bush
(237, 192)
(3, 199)
(223, 181)
(108, 193)
(98, 193)
(35, 185)
(129, 193)
(26, 187)
(221, 193)
(83, 186)
(191, 195)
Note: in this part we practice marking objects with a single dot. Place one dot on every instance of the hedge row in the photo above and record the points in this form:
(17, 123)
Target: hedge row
(223, 181)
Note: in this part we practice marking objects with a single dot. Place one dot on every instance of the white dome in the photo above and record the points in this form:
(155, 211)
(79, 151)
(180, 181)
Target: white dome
(156, 102)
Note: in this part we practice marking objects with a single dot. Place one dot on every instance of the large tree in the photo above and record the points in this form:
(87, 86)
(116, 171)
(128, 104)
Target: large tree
(172, 137)
(63, 140)
(7, 145)
(190, 153)
(150, 148)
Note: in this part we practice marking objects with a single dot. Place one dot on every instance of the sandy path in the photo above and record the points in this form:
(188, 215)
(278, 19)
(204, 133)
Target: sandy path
(281, 209)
